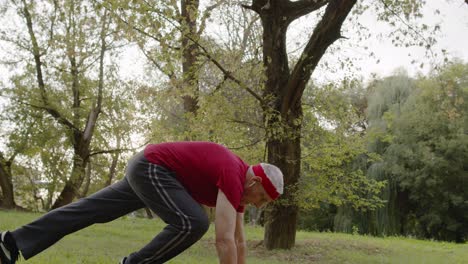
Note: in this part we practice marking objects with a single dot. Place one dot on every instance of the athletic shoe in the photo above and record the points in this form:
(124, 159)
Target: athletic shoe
(123, 260)
(8, 251)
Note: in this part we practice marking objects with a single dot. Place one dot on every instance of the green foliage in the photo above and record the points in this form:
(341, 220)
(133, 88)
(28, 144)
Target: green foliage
(428, 154)
(418, 131)
(332, 142)
(384, 101)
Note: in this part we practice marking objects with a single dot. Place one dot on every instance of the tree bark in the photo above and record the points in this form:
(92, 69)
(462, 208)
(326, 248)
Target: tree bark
(87, 181)
(73, 184)
(283, 98)
(6, 183)
(112, 168)
(190, 54)
(285, 152)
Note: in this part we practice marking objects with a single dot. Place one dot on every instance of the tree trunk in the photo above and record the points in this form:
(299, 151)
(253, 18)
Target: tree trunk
(113, 168)
(283, 98)
(72, 186)
(283, 146)
(6, 183)
(281, 217)
(87, 181)
(189, 54)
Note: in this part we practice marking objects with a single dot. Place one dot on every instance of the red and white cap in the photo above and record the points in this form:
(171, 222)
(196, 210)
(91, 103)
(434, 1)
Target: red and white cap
(272, 179)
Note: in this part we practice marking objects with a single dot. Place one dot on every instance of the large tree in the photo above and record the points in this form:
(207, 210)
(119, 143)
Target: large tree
(67, 42)
(284, 87)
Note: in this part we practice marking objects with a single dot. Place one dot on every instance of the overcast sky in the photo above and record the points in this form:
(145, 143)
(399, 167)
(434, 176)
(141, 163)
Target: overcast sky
(453, 37)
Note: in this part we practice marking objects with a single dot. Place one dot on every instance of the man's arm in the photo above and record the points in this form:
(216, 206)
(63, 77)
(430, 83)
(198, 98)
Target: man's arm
(240, 239)
(225, 226)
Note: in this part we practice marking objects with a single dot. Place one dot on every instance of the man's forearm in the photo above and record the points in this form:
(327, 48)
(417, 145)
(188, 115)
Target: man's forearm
(227, 251)
(241, 252)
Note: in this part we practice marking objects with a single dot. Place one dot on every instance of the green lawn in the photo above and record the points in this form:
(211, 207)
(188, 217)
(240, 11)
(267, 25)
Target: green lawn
(108, 243)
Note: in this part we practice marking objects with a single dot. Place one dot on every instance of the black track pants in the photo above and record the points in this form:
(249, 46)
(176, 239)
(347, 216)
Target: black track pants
(145, 184)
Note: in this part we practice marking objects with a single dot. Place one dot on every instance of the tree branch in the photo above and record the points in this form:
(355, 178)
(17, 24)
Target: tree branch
(169, 74)
(324, 35)
(258, 5)
(117, 150)
(54, 113)
(219, 85)
(386, 6)
(228, 74)
(96, 110)
(40, 79)
(297, 9)
(247, 145)
(251, 7)
(110, 151)
(36, 52)
(206, 15)
(248, 32)
(139, 30)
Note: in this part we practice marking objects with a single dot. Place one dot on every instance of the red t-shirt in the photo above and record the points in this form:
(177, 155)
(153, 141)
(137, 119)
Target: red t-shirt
(203, 168)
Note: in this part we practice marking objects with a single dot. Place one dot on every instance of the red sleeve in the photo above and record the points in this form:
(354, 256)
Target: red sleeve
(231, 185)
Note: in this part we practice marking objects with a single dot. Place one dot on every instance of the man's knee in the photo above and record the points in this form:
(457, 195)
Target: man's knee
(200, 225)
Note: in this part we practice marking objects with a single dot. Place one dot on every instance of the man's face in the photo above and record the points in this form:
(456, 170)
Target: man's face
(255, 195)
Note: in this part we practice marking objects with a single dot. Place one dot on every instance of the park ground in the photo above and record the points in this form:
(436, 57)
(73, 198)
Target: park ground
(108, 243)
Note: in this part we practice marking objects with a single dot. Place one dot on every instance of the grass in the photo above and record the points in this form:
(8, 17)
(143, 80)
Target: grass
(108, 243)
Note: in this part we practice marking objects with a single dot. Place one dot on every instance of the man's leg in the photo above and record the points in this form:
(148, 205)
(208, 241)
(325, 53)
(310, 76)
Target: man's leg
(187, 222)
(104, 206)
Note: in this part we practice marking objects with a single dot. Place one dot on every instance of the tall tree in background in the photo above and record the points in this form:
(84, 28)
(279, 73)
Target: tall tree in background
(282, 97)
(428, 153)
(63, 53)
(386, 98)
(421, 152)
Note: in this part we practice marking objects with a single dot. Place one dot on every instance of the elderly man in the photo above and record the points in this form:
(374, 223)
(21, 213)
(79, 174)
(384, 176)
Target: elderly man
(172, 179)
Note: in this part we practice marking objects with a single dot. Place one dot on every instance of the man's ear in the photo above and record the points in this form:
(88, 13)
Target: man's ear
(252, 181)
(257, 179)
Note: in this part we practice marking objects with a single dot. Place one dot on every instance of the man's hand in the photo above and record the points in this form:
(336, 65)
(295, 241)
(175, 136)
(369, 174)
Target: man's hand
(225, 227)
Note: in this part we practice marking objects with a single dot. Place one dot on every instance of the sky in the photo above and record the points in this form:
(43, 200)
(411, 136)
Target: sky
(453, 38)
